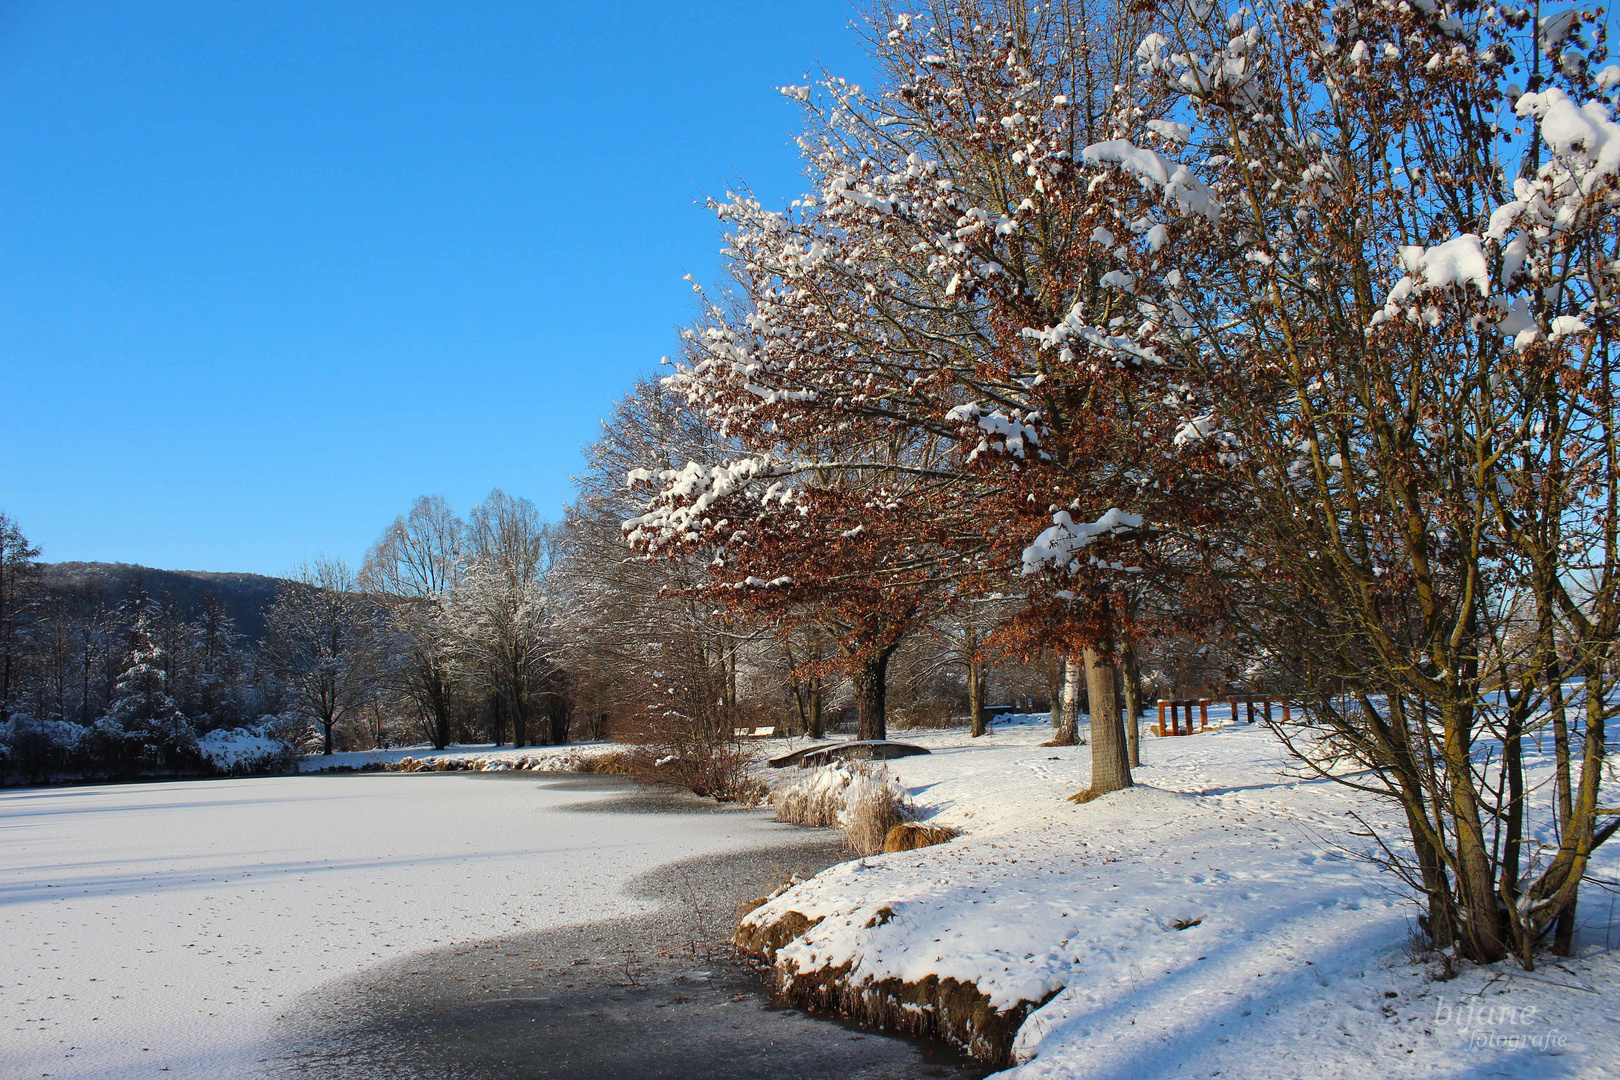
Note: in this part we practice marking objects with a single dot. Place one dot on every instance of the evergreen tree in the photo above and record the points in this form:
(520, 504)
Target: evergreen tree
(143, 725)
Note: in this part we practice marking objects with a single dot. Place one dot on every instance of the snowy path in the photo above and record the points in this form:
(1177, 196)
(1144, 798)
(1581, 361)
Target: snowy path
(163, 929)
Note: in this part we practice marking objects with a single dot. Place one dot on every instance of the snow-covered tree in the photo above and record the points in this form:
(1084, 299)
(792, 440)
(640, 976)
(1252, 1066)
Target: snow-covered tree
(500, 614)
(17, 574)
(926, 290)
(142, 725)
(860, 553)
(1381, 274)
(1305, 309)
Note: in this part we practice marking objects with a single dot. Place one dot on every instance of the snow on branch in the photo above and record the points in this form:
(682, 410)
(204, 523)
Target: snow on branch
(1057, 546)
(1456, 263)
(1156, 171)
(1585, 138)
(680, 510)
(1198, 430)
(1011, 434)
(1074, 330)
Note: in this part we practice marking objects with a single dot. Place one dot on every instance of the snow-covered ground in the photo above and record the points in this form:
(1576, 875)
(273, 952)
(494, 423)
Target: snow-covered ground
(162, 929)
(1209, 922)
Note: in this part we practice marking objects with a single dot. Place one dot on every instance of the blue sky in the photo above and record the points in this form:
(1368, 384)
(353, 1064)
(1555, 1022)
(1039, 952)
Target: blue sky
(270, 271)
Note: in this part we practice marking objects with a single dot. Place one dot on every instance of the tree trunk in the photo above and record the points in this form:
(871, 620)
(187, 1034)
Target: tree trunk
(1564, 932)
(1068, 707)
(1481, 927)
(1110, 764)
(976, 695)
(557, 713)
(441, 712)
(1513, 811)
(326, 727)
(800, 693)
(817, 723)
(1054, 688)
(1132, 672)
(871, 688)
(520, 723)
(728, 661)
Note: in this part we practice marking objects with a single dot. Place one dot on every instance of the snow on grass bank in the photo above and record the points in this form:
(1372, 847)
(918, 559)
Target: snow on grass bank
(162, 929)
(1210, 922)
(473, 756)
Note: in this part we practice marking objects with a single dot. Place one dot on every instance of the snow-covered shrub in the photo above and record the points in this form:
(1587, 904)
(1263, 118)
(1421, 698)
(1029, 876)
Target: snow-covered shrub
(613, 762)
(816, 800)
(242, 751)
(37, 748)
(696, 748)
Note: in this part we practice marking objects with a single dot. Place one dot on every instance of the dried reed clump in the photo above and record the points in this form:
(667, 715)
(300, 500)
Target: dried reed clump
(859, 797)
(612, 763)
(910, 836)
(876, 805)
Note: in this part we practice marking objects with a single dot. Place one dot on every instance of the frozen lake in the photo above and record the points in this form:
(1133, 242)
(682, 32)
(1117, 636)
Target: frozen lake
(182, 929)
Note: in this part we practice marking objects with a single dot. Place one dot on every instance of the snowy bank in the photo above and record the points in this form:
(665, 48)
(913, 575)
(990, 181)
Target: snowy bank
(1216, 919)
(476, 757)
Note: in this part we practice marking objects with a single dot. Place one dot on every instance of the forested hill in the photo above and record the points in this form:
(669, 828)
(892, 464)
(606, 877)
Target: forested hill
(244, 596)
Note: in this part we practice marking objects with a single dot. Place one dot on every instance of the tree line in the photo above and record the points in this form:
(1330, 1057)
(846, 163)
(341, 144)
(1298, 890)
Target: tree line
(445, 633)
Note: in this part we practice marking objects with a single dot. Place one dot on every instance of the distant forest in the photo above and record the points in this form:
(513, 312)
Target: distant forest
(114, 670)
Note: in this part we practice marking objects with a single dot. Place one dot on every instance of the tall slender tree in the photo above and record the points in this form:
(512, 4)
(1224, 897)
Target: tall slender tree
(17, 580)
(501, 613)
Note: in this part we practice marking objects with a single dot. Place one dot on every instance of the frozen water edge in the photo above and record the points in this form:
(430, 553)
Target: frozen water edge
(168, 928)
(648, 997)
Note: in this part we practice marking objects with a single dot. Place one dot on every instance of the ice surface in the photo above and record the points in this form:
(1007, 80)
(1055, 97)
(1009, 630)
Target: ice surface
(168, 926)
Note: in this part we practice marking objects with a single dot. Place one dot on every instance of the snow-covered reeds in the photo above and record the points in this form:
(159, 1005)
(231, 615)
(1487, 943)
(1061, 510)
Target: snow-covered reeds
(858, 797)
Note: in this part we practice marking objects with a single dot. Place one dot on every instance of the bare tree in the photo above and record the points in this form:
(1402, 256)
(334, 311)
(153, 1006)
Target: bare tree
(413, 569)
(317, 641)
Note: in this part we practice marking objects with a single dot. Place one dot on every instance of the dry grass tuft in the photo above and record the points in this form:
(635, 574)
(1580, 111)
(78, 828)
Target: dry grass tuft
(910, 836)
(816, 801)
(1083, 796)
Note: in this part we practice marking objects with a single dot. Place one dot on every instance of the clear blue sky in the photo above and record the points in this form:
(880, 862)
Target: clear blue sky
(270, 271)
